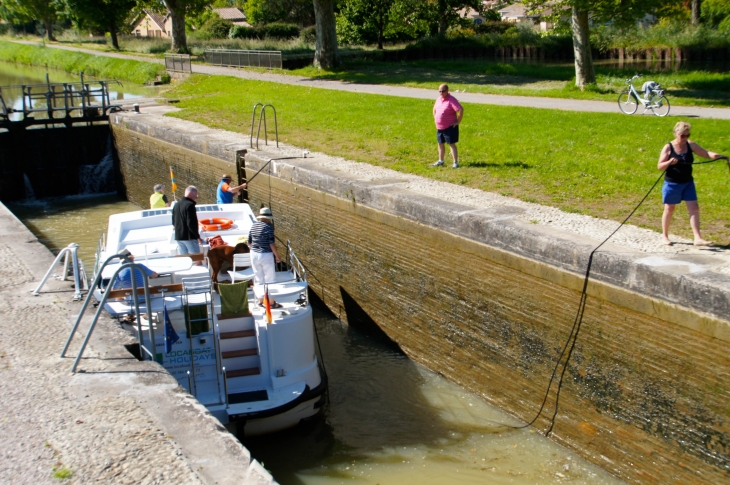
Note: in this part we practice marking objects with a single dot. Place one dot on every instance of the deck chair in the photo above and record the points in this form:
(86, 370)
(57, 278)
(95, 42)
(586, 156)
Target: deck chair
(241, 261)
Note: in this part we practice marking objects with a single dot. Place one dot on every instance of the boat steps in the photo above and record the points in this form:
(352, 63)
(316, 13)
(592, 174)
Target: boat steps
(238, 334)
(251, 371)
(232, 317)
(240, 353)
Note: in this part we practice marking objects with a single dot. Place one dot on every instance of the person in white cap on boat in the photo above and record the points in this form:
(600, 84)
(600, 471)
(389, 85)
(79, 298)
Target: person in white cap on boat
(264, 256)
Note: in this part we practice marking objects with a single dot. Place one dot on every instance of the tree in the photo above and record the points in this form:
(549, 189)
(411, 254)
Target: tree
(445, 13)
(717, 13)
(105, 15)
(179, 9)
(368, 18)
(325, 50)
(268, 11)
(582, 12)
(45, 11)
(695, 12)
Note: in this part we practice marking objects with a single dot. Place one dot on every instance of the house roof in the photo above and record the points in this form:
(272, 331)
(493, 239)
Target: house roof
(516, 11)
(230, 13)
(158, 19)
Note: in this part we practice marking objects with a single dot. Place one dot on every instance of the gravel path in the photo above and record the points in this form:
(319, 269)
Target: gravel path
(475, 98)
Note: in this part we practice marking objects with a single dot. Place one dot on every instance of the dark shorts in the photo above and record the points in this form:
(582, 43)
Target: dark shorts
(674, 193)
(449, 135)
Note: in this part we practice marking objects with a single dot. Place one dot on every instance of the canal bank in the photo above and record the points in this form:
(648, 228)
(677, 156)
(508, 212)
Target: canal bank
(484, 290)
(119, 420)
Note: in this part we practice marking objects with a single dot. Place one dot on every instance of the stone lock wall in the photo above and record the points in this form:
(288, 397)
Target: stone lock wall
(147, 153)
(646, 395)
(644, 398)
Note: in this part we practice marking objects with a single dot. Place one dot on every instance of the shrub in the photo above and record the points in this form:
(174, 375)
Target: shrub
(493, 27)
(217, 28)
(268, 31)
(4, 29)
(308, 34)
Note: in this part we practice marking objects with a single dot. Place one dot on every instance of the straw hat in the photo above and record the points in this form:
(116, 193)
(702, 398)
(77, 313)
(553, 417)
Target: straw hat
(265, 213)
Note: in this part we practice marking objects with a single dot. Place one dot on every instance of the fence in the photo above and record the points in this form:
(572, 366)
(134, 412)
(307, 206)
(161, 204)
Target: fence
(244, 58)
(178, 63)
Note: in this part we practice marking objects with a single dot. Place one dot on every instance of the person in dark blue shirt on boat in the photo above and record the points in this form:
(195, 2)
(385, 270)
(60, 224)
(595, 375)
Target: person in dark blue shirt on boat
(124, 278)
(262, 242)
(225, 192)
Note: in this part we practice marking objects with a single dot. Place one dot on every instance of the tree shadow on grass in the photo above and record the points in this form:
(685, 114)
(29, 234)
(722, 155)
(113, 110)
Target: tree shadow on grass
(517, 164)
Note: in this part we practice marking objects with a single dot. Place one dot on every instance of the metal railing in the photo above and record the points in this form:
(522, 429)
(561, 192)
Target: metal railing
(70, 256)
(63, 102)
(178, 63)
(262, 116)
(244, 58)
(124, 256)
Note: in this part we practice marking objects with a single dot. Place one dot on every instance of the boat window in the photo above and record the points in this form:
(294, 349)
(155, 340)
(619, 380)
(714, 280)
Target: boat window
(157, 212)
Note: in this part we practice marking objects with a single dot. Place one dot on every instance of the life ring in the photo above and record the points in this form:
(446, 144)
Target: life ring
(215, 224)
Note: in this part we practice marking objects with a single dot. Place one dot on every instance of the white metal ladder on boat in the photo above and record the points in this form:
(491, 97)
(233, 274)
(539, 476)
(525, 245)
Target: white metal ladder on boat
(197, 301)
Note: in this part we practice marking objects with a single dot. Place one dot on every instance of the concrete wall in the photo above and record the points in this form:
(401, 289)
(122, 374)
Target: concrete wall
(489, 303)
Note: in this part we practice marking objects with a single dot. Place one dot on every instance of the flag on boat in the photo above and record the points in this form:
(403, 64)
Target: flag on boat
(267, 305)
(170, 334)
(172, 180)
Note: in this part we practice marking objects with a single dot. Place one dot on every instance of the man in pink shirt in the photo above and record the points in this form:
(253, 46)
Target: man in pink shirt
(447, 113)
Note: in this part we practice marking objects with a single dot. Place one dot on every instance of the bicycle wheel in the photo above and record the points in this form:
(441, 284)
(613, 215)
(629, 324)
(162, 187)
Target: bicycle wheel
(628, 103)
(660, 105)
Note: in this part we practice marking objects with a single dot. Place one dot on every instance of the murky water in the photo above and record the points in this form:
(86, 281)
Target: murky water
(58, 222)
(388, 421)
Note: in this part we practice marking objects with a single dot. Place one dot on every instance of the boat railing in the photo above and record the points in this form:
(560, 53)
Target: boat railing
(126, 263)
(300, 272)
(100, 247)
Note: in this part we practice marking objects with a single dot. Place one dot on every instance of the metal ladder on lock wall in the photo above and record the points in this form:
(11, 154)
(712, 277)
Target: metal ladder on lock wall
(262, 116)
(198, 308)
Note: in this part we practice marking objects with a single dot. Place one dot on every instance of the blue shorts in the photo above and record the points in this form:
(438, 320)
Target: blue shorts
(449, 135)
(674, 193)
(188, 247)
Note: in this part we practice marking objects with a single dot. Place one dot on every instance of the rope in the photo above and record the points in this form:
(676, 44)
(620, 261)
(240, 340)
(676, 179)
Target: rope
(575, 330)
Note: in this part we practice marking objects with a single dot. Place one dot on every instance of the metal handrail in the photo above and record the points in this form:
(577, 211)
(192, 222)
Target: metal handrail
(132, 267)
(71, 250)
(262, 115)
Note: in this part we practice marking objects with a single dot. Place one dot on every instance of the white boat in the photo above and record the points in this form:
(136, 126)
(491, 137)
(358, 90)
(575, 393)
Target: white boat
(263, 376)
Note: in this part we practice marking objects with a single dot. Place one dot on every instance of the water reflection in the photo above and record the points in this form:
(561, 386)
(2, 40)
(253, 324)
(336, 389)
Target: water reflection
(12, 76)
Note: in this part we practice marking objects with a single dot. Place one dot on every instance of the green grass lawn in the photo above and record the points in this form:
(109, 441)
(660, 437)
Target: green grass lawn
(684, 87)
(75, 62)
(590, 163)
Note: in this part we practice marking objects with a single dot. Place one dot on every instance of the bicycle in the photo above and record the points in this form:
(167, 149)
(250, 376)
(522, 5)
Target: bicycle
(628, 101)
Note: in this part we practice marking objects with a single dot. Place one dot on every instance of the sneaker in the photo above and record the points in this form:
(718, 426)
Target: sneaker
(440, 163)
(455, 165)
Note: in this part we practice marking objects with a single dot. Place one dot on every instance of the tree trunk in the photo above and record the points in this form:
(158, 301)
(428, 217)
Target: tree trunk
(325, 51)
(113, 33)
(695, 12)
(584, 73)
(179, 39)
(49, 28)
